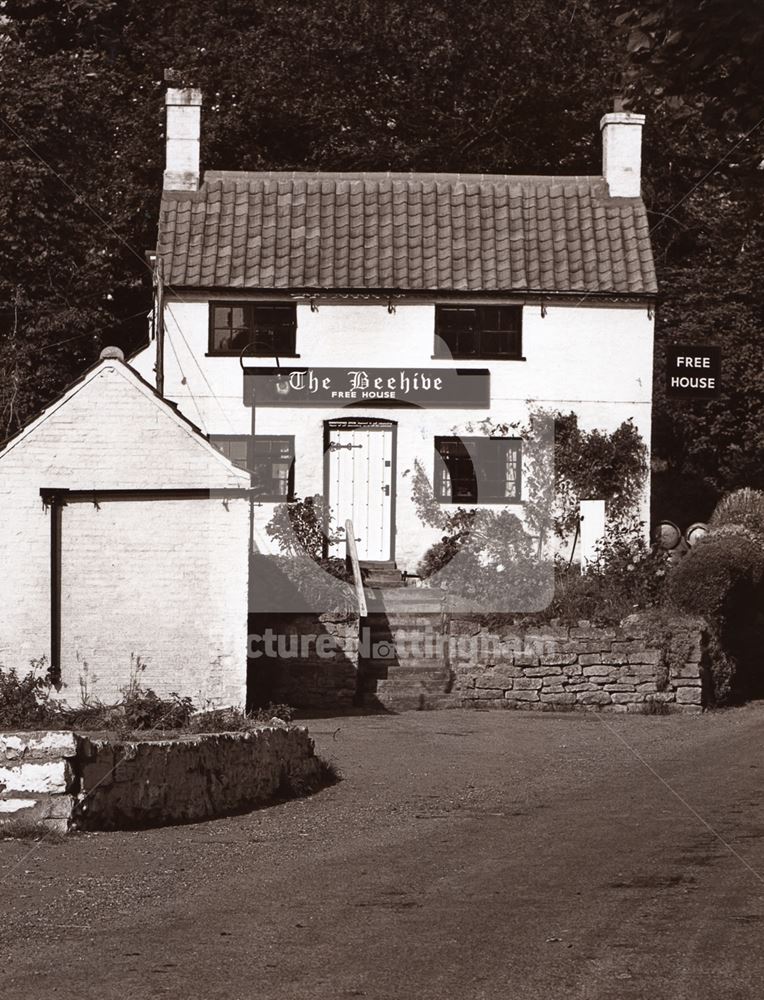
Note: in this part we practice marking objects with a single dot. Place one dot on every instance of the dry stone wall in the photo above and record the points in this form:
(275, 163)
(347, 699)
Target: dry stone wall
(636, 666)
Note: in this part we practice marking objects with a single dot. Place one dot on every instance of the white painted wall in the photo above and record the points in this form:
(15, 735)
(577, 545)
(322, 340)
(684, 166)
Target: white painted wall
(165, 581)
(590, 357)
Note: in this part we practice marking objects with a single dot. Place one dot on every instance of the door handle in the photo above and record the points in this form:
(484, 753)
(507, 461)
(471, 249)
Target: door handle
(386, 490)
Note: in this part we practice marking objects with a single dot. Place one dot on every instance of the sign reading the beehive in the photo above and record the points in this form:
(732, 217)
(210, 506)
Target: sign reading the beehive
(419, 387)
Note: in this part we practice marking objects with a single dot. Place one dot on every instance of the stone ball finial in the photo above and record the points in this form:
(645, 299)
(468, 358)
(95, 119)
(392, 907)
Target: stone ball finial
(112, 353)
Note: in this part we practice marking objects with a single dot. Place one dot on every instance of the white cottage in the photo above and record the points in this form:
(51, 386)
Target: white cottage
(124, 537)
(400, 318)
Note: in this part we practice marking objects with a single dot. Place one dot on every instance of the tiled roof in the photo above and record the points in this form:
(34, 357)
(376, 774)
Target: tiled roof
(418, 232)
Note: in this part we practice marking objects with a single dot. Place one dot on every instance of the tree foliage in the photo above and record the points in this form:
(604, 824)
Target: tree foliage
(697, 53)
(357, 84)
(695, 68)
(379, 84)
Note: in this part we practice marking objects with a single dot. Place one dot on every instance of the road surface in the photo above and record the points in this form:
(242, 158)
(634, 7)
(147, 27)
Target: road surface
(465, 855)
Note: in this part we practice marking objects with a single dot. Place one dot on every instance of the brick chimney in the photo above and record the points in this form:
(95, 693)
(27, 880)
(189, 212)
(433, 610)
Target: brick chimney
(622, 153)
(184, 112)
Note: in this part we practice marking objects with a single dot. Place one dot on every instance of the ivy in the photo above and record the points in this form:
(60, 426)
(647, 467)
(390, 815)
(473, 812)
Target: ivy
(597, 465)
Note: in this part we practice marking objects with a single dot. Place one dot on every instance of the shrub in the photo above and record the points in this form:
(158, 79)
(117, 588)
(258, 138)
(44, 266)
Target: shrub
(595, 463)
(627, 577)
(298, 526)
(337, 568)
(743, 507)
(722, 579)
(144, 709)
(702, 582)
(234, 720)
(457, 525)
(92, 716)
(273, 710)
(25, 702)
(721, 671)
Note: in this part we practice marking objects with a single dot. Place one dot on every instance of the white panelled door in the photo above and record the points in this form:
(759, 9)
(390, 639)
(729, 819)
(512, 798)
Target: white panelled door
(361, 486)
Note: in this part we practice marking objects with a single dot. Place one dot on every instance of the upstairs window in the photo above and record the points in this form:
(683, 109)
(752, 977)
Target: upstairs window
(270, 462)
(477, 470)
(266, 329)
(478, 332)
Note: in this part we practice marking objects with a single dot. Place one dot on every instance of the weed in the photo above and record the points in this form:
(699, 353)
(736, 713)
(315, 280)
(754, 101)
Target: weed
(326, 773)
(19, 828)
(26, 701)
(654, 706)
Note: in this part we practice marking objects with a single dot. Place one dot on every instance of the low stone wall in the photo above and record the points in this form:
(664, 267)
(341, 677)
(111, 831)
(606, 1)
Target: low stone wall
(305, 660)
(622, 669)
(38, 778)
(67, 781)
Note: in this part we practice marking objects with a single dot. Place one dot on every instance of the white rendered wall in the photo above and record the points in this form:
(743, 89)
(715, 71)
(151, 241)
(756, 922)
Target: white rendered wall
(165, 581)
(589, 357)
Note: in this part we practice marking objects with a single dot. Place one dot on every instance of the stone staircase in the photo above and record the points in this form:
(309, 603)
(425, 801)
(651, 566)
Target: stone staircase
(402, 658)
(384, 575)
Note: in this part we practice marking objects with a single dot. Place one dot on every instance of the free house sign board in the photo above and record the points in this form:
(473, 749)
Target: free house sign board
(693, 372)
(426, 388)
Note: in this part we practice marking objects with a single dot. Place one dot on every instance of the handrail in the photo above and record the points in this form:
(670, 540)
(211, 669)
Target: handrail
(351, 557)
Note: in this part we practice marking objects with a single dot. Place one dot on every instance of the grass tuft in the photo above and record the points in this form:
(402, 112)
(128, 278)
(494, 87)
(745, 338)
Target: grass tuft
(19, 828)
(655, 707)
(324, 775)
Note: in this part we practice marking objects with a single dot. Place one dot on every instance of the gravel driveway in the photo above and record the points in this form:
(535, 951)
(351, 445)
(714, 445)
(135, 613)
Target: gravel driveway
(465, 855)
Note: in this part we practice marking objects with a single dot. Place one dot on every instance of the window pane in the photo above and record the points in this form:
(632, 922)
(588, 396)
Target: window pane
(238, 453)
(499, 470)
(494, 342)
(457, 327)
(234, 449)
(457, 480)
(478, 470)
(512, 473)
(478, 331)
(272, 464)
(266, 329)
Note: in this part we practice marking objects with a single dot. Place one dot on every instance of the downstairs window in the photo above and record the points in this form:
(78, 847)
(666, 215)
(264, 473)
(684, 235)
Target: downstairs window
(477, 470)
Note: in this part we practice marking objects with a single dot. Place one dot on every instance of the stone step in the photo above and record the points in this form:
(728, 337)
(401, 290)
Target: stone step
(412, 646)
(401, 600)
(405, 671)
(406, 663)
(412, 700)
(403, 620)
(381, 576)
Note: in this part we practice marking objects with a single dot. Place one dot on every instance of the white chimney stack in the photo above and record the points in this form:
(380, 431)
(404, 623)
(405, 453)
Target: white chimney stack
(622, 153)
(184, 113)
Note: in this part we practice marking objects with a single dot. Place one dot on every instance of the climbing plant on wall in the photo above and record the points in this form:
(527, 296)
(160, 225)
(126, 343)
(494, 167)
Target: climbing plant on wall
(557, 473)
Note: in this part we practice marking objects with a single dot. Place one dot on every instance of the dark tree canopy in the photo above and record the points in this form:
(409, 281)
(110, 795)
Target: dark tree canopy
(492, 85)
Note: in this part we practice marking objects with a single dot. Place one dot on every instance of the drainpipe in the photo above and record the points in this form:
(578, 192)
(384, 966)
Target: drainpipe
(159, 298)
(56, 509)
